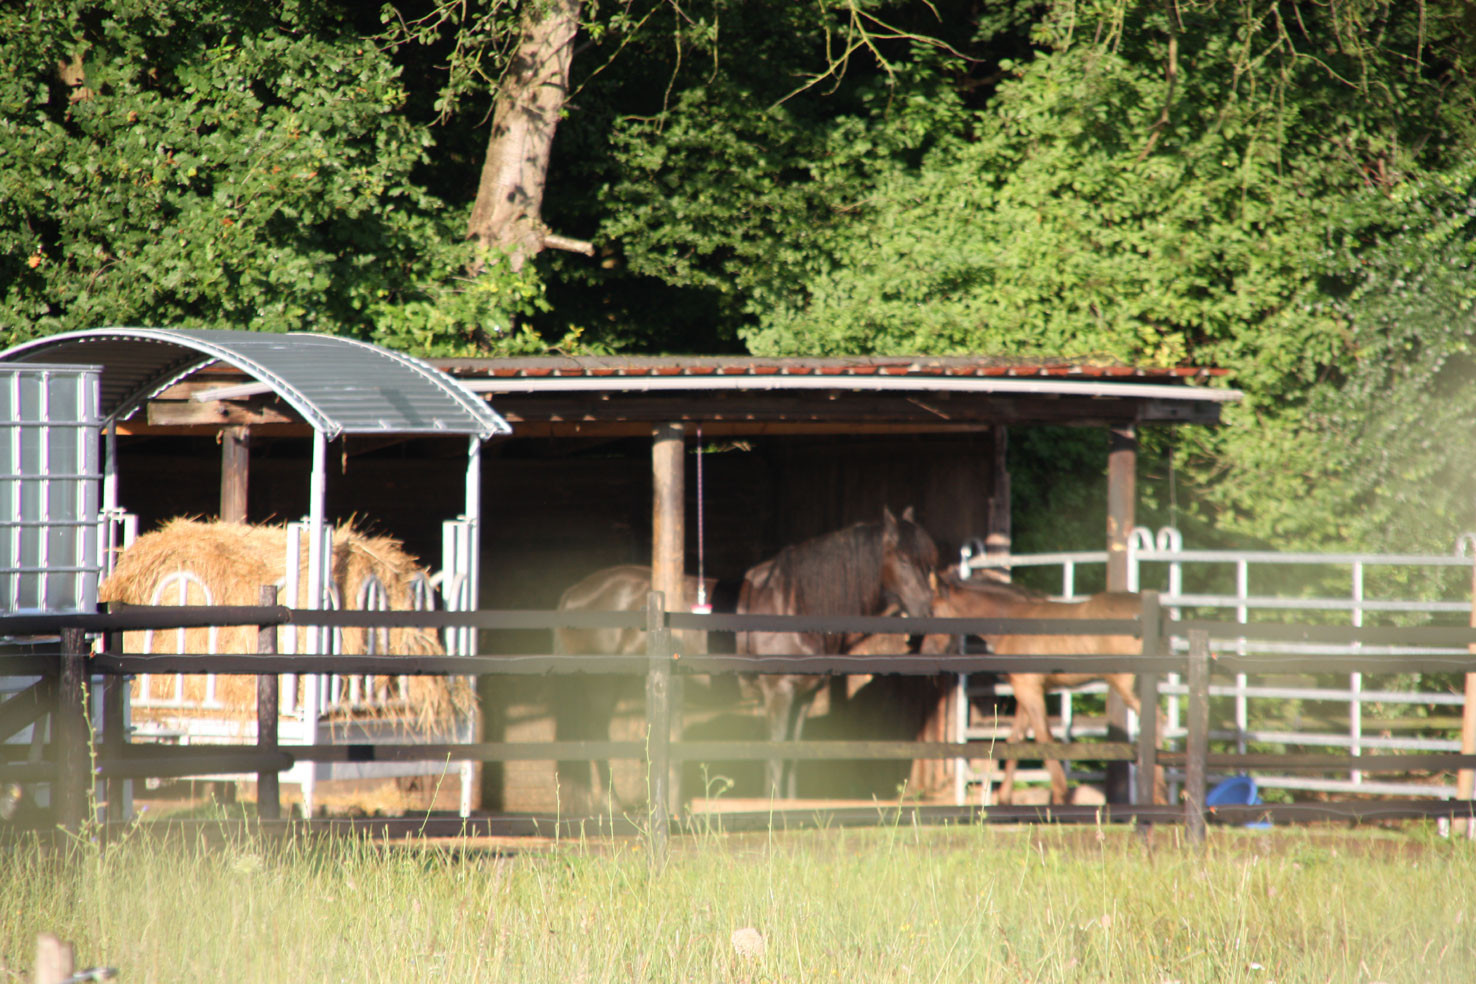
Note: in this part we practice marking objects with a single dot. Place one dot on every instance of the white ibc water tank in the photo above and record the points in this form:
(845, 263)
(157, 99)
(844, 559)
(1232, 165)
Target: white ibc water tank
(50, 476)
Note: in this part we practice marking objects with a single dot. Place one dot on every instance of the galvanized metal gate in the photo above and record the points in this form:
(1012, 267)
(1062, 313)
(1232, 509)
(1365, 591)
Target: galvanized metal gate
(1351, 588)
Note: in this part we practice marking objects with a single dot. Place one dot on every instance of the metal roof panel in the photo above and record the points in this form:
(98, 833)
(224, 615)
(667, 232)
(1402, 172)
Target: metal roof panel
(339, 385)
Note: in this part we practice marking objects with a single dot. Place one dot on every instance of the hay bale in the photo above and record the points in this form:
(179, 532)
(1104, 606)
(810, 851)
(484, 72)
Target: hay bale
(228, 564)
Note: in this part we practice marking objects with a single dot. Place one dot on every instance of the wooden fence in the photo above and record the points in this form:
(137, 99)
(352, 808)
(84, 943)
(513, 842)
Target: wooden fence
(1196, 649)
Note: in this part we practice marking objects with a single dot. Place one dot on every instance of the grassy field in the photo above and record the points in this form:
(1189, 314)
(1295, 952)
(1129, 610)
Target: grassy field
(893, 904)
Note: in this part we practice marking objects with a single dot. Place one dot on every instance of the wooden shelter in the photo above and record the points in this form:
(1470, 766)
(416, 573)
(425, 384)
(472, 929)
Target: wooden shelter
(813, 444)
(848, 435)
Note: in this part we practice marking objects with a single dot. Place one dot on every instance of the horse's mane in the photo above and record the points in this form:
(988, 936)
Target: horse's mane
(840, 572)
(833, 573)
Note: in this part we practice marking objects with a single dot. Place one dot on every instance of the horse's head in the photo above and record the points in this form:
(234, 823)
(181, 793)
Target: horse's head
(909, 558)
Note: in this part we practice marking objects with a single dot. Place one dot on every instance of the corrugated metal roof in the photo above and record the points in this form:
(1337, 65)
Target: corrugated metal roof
(339, 385)
(977, 374)
(904, 366)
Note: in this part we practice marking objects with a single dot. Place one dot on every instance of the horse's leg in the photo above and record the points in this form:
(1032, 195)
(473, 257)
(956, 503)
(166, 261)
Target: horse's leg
(799, 710)
(1006, 794)
(1032, 703)
(778, 710)
(580, 714)
(1126, 686)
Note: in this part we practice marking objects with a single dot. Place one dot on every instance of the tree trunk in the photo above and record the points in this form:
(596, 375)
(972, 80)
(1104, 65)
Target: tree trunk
(510, 192)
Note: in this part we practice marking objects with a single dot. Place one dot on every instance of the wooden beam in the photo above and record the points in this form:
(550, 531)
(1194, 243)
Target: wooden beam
(187, 413)
(933, 409)
(28, 706)
(143, 428)
(235, 473)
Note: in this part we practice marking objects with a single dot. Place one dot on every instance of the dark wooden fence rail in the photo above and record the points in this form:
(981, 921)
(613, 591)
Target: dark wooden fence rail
(71, 765)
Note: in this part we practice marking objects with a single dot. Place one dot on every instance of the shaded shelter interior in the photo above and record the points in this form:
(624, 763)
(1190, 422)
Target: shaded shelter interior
(556, 509)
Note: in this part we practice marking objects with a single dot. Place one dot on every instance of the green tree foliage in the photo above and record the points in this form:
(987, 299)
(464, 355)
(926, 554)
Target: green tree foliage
(1156, 184)
(225, 165)
(1398, 421)
(1272, 186)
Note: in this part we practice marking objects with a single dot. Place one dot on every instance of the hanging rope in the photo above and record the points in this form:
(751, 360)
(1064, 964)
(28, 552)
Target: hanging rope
(701, 607)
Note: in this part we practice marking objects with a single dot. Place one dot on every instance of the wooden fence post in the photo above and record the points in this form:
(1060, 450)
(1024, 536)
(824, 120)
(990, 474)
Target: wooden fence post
(70, 733)
(1466, 778)
(1196, 745)
(1148, 703)
(268, 783)
(114, 734)
(115, 737)
(658, 722)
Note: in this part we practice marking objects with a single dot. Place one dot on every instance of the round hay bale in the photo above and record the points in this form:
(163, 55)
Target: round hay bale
(226, 564)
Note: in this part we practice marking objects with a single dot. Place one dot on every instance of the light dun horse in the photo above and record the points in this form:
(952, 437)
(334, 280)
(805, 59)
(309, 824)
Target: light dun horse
(865, 569)
(957, 598)
(585, 705)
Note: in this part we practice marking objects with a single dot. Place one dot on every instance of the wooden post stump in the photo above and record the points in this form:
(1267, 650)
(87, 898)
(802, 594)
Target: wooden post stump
(54, 960)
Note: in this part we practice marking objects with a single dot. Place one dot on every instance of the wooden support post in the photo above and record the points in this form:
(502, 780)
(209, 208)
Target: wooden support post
(235, 472)
(268, 784)
(998, 538)
(1196, 744)
(668, 552)
(70, 733)
(1122, 493)
(658, 723)
(1148, 702)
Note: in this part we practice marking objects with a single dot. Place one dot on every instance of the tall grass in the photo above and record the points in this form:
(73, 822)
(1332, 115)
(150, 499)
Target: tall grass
(895, 904)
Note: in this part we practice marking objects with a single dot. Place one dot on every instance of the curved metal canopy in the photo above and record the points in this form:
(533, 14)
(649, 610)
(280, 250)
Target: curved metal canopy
(338, 385)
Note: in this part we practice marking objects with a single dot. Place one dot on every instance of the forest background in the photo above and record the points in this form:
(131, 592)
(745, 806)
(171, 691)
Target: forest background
(1280, 189)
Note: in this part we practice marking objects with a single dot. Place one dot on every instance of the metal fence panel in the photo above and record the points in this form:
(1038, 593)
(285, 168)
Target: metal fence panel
(1254, 586)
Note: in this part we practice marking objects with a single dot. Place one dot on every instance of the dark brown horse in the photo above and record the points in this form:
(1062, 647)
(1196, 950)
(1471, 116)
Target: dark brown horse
(865, 569)
(983, 598)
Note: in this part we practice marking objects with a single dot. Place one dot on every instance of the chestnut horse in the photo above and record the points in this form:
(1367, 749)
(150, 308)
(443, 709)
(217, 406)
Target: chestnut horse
(983, 598)
(865, 569)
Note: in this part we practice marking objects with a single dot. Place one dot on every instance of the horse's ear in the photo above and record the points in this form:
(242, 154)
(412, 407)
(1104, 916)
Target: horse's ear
(889, 526)
(907, 516)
